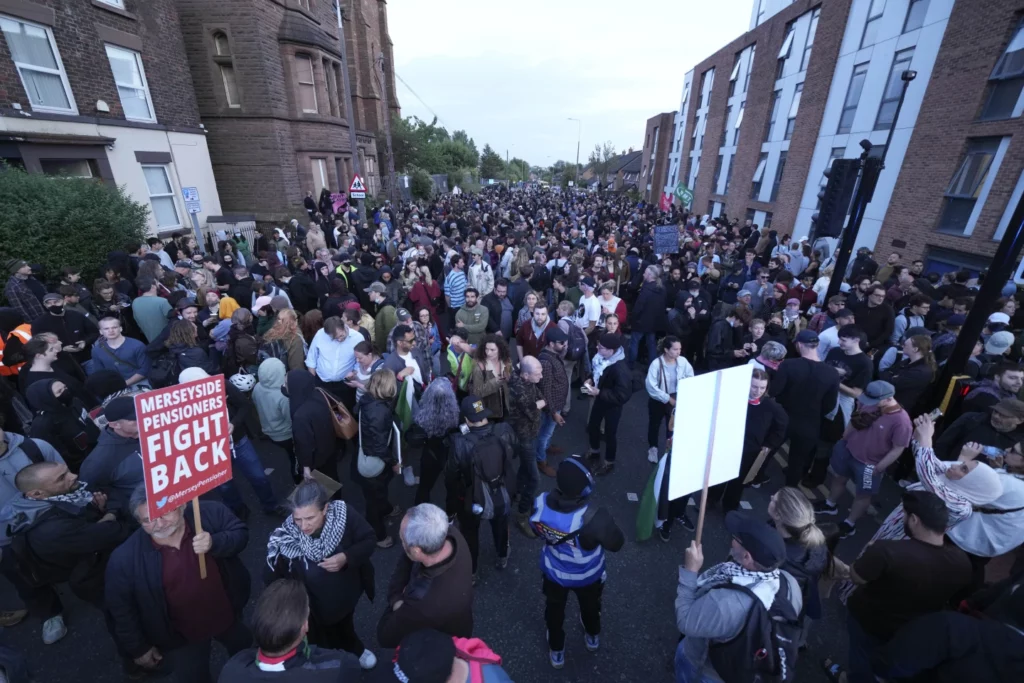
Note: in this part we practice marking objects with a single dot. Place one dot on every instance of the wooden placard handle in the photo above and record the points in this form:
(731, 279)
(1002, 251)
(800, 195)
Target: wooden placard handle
(199, 530)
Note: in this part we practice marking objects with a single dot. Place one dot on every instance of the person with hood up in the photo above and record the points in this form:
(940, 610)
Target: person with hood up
(114, 466)
(16, 453)
(62, 421)
(576, 534)
(312, 425)
(272, 408)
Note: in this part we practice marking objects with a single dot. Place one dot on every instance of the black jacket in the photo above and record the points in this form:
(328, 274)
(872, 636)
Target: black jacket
(721, 344)
(134, 581)
(333, 595)
(312, 423)
(70, 328)
(598, 530)
(193, 357)
(975, 427)
(876, 322)
(310, 664)
(910, 380)
(66, 427)
(241, 291)
(649, 310)
(493, 305)
(806, 390)
(766, 427)
(376, 420)
(616, 384)
(302, 292)
(459, 468)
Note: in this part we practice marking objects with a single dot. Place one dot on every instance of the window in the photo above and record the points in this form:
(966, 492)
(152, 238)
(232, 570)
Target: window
(700, 92)
(1007, 79)
(811, 30)
(963, 190)
(776, 100)
(755, 190)
(696, 171)
(739, 120)
(794, 107)
(728, 176)
(751, 214)
(836, 153)
(853, 91)
(778, 177)
(307, 85)
(35, 55)
(873, 23)
(735, 73)
(304, 4)
(718, 174)
(915, 15)
(767, 220)
(226, 67)
(319, 176)
(893, 88)
(114, 3)
(787, 46)
(725, 127)
(71, 168)
(332, 87)
(750, 67)
(131, 83)
(161, 196)
(686, 93)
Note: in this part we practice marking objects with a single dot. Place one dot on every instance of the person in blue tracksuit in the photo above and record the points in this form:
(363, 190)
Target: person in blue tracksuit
(576, 534)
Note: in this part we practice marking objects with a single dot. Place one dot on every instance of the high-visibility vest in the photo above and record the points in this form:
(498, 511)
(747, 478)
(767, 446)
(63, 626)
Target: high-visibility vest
(24, 333)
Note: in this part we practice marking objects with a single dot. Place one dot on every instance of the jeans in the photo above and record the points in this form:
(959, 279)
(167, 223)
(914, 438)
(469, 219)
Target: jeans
(547, 430)
(248, 462)
(469, 525)
(528, 476)
(634, 346)
(611, 414)
(686, 672)
(862, 646)
(589, 598)
(190, 663)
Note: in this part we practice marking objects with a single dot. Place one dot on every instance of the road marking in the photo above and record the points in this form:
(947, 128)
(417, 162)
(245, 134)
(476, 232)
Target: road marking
(632, 497)
(268, 471)
(745, 505)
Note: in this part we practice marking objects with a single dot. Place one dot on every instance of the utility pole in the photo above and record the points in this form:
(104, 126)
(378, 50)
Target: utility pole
(579, 131)
(350, 111)
(508, 172)
(387, 130)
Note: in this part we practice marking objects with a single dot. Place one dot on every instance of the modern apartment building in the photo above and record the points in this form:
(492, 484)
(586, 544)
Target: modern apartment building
(654, 165)
(268, 81)
(762, 118)
(101, 89)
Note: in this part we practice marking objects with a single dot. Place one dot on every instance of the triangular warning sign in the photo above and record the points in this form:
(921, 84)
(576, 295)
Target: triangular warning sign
(357, 185)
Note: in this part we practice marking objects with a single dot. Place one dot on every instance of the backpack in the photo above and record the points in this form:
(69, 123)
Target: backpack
(765, 650)
(165, 371)
(488, 488)
(273, 349)
(577, 346)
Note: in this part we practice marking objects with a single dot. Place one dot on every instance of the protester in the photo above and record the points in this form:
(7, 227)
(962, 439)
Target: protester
(611, 390)
(525, 406)
(663, 377)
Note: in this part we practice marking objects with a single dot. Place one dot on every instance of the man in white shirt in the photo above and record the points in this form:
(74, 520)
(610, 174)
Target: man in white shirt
(829, 339)
(588, 313)
(407, 360)
(332, 357)
(481, 275)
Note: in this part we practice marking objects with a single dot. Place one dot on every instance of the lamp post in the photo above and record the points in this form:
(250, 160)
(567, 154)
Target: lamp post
(579, 130)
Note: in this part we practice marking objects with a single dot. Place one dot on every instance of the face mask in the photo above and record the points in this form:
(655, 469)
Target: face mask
(66, 398)
(55, 310)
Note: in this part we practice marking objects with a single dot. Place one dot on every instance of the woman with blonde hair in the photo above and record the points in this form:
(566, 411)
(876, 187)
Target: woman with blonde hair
(285, 339)
(376, 437)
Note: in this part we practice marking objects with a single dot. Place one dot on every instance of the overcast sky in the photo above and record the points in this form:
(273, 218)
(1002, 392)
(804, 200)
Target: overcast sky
(511, 73)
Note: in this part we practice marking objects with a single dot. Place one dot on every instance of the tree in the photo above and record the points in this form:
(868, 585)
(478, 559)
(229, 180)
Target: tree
(491, 165)
(599, 161)
(519, 169)
(421, 185)
(66, 221)
(428, 146)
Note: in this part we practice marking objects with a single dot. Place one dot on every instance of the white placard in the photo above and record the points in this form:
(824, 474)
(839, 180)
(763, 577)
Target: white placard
(695, 405)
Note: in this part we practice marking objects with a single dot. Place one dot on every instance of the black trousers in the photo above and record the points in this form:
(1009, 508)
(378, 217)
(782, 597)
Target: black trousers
(731, 492)
(469, 524)
(676, 508)
(288, 446)
(375, 491)
(42, 602)
(338, 636)
(432, 463)
(556, 595)
(611, 415)
(801, 457)
(191, 663)
(657, 412)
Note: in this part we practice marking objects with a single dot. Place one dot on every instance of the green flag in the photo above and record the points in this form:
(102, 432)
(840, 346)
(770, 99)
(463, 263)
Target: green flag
(684, 194)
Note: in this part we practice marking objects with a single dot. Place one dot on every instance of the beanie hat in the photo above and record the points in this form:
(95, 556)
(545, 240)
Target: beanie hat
(14, 265)
(573, 477)
(611, 341)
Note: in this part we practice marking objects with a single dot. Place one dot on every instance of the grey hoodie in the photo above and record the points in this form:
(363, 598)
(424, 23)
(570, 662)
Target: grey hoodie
(13, 461)
(271, 404)
(114, 467)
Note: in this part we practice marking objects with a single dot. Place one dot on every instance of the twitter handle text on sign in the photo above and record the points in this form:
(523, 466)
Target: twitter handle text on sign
(185, 437)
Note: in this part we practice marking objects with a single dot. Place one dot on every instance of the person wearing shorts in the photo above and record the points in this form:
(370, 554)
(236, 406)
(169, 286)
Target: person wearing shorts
(878, 433)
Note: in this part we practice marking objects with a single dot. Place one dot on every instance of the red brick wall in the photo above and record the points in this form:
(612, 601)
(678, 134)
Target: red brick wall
(975, 37)
(656, 175)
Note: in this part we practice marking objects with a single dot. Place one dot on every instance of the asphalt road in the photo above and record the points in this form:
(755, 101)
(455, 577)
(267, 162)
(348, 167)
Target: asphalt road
(638, 630)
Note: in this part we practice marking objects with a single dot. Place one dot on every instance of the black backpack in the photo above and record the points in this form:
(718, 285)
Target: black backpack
(165, 370)
(577, 347)
(765, 650)
(488, 472)
(273, 349)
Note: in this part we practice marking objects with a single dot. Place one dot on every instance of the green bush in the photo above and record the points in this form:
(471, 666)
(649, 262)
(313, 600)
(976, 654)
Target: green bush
(65, 221)
(421, 184)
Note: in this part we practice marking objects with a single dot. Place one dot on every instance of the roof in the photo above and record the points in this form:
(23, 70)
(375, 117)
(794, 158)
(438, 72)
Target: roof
(631, 163)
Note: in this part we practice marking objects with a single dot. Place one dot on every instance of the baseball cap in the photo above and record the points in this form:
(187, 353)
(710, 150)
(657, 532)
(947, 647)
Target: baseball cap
(377, 287)
(999, 317)
(53, 296)
(473, 409)
(876, 391)
(764, 543)
(425, 656)
(1010, 407)
(555, 334)
(742, 293)
(403, 314)
(588, 282)
(186, 303)
(807, 337)
(121, 408)
(998, 343)
(260, 303)
(183, 263)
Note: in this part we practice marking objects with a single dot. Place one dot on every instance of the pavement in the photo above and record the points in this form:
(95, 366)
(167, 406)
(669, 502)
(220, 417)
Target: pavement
(638, 636)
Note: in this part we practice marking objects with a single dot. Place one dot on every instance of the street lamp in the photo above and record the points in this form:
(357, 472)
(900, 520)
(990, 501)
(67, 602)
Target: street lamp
(579, 130)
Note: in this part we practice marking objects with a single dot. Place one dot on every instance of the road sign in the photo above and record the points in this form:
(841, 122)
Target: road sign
(684, 194)
(185, 439)
(357, 190)
(191, 194)
(193, 207)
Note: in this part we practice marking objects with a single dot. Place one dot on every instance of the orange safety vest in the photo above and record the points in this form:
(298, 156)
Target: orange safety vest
(24, 333)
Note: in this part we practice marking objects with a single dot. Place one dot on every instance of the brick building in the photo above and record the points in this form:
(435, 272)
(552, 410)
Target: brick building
(268, 82)
(810, 80)
(102, 89)
(654, 166)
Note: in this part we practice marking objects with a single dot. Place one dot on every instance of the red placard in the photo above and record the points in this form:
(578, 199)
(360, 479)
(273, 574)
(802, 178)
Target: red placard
(186, 442)
(666, 202)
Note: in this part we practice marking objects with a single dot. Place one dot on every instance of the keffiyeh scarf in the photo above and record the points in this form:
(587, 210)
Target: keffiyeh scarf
(289, 541)
(80, 497)
(763, 584)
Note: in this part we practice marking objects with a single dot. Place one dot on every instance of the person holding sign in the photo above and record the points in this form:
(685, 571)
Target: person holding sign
(165, 616)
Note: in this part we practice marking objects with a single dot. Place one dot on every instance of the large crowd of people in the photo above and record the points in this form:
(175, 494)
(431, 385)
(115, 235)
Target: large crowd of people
(460, 334)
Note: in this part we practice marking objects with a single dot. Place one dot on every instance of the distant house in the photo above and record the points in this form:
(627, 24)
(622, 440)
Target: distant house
(623, 171)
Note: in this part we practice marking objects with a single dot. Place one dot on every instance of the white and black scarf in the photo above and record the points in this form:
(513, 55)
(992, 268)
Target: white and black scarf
(763, 584)
(289, 541)
(80, 497)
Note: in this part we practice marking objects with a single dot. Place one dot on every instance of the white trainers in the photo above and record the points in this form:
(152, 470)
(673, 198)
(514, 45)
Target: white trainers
(367, 660)
(652, 454)
(54, 629)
